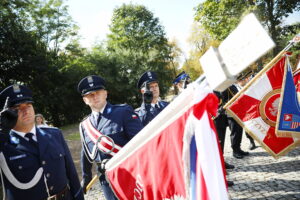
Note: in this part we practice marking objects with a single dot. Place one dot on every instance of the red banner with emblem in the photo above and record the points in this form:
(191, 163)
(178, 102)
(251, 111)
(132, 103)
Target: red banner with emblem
(256, 110)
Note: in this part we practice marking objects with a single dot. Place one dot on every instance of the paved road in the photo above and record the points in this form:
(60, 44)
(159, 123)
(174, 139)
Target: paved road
(260, 176)
(257, 176)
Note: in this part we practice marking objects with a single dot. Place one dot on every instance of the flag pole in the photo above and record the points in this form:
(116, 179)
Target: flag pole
(268, 66)
(91, 183)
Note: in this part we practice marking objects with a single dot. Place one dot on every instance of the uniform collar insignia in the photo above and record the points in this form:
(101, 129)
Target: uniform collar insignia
(108, 110)
(43, 133)
(14, 140)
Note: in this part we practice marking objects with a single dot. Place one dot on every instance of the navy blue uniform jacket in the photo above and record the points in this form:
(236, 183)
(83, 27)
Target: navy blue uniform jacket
(119, 122)
(51, 154)
(146, 112)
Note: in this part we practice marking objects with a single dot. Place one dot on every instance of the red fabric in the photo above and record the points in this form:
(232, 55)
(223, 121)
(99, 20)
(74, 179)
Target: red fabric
(155, 171)
(297, 80)
(246, 108)
(160, 178)
(275, 74)
(275, 143)
(209, 104)
(203, 193)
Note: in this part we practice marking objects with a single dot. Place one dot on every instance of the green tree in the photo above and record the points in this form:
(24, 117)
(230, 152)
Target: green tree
(272, 14)
(199, 40)
(138, 42)
(20, 51)
(220, 17)
(28, 58)
(176, 54)
(52, 23)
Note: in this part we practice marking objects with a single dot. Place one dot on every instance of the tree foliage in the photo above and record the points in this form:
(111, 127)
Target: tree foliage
(39, 47)
(199, 40)
(138, 43)
(272, 14)
(220, 17)
(26, 56)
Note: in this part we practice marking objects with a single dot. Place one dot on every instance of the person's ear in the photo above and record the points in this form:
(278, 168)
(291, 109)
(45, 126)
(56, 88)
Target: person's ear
(84, 99)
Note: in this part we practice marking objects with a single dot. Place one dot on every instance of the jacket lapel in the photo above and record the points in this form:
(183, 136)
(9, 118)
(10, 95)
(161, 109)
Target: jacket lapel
(22, 144)
(43, 140)
(105, 116)
(93, 120)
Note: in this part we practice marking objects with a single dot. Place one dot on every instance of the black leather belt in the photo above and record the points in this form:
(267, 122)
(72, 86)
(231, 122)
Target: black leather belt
(61, 195)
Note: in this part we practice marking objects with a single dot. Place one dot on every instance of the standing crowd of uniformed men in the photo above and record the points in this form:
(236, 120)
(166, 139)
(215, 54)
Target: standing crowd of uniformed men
(35, 161)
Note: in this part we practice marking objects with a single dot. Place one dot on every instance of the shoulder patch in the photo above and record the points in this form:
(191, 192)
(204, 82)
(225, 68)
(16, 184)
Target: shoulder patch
(121, 107)
(48, 127)
(124, 104)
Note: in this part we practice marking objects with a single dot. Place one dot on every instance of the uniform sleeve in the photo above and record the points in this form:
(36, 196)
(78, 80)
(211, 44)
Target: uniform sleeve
(132, 123)
(86, 169)
(3, 139)
(75, 188)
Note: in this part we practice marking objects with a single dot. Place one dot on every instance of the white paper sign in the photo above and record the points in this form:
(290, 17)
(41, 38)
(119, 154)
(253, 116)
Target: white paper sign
(242, 47)
(215, 73)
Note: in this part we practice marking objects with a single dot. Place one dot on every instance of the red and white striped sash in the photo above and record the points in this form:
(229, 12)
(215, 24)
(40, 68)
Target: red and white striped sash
(104, 145)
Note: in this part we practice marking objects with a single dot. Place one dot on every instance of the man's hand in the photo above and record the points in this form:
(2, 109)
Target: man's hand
(83, 185)
(8, 118)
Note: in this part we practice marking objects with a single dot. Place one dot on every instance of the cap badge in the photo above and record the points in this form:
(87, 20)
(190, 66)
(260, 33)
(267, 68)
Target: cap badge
(90, 81)
(149, 75)
(16, 88)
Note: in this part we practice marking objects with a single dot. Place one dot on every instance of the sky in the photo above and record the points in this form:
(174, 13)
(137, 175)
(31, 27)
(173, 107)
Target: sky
(94, 16)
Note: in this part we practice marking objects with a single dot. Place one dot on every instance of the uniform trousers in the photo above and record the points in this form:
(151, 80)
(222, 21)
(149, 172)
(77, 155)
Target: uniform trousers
(86, 167)
(250, 138)
(236, 134)
(107, 191)
(221, 125)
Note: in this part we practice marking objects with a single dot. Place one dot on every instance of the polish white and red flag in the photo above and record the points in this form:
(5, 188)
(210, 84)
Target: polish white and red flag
(176, 156)
(256, 109)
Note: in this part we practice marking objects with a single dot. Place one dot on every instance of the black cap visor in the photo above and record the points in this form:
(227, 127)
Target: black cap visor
(148, 82)
(20, 101)
(92, 89)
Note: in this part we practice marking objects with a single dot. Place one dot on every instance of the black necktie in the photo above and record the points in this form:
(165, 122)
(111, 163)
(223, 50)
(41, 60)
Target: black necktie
(99, 118)
(29, 136)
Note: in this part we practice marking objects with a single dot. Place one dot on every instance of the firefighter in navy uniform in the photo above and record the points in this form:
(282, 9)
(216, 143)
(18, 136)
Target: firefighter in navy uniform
(152, 105)
(114, 123)
(36, 163)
